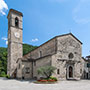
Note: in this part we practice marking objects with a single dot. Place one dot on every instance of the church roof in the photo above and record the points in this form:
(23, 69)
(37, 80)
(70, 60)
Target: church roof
(14, 11)
(33, 60)
(60, 36)
(28, 55)
(88, 56)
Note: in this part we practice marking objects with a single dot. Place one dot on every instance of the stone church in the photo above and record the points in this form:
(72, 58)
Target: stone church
(63, 52)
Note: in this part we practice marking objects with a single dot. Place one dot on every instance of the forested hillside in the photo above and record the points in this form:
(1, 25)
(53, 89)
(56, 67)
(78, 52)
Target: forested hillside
(3, 57)
(27, 48)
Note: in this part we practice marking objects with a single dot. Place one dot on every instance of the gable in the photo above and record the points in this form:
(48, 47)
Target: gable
(70, 34)
(68, 41)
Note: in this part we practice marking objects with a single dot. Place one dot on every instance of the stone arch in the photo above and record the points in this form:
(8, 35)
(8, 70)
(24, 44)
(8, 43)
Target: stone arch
(16, 22)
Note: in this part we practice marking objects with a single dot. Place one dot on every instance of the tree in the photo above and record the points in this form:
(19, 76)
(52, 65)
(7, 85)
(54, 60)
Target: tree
(3, 60)
(46, 71)
(27, 48)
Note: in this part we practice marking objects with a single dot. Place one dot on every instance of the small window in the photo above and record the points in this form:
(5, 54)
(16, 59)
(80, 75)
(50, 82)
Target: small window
(27, 70)
(58, 72)
(40, 53)
(88, 65)
(16, 22)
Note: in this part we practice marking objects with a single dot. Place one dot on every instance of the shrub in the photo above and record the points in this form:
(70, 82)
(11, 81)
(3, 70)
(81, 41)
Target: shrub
(3, 74)
(53, 78)
(46, 71)
(7, 76)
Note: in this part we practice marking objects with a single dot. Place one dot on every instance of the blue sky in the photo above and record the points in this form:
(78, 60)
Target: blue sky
(44, 19)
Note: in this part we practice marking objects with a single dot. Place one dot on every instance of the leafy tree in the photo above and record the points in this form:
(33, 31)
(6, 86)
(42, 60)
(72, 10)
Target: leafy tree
(3, 60)
(46, 71)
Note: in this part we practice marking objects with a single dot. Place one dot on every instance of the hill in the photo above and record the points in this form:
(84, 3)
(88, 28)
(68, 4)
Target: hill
(3, 57)
(27, 48)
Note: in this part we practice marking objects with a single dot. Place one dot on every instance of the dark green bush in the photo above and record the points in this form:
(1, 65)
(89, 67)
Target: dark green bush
(3, 74)
(7, 76)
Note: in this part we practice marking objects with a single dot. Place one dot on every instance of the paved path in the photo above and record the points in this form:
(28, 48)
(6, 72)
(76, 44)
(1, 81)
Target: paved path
(27, 85)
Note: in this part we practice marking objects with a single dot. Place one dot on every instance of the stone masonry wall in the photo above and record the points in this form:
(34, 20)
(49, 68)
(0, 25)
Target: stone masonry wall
(48, 48)
(14, 44)
(19, 69)
(66, 45)
(25, 74)
(46, 61)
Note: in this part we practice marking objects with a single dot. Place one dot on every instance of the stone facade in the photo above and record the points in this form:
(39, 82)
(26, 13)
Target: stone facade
(14, 41)
(63, 52)
(56, 52)
(67, 45)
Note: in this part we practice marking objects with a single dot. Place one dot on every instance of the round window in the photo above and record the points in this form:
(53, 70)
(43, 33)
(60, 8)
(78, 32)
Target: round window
(70, 56)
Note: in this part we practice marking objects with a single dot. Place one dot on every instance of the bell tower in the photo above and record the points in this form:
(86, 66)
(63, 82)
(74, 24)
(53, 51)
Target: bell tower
(15, 50)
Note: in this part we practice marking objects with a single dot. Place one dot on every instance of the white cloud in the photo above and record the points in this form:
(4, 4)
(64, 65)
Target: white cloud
(35, 40)
(6, 42)
(81, 13)
(3, 7)
(5, 39)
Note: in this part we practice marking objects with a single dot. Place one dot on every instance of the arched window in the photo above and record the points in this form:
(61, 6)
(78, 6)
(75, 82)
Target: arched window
(16, 22)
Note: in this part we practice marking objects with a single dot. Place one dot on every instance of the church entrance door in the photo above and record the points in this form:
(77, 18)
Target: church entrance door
(70, 72)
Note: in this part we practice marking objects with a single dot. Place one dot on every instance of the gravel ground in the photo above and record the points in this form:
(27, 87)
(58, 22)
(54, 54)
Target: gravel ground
(6, 84)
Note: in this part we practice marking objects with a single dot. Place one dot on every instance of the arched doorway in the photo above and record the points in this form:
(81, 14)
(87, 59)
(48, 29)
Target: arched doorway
(70, 72)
